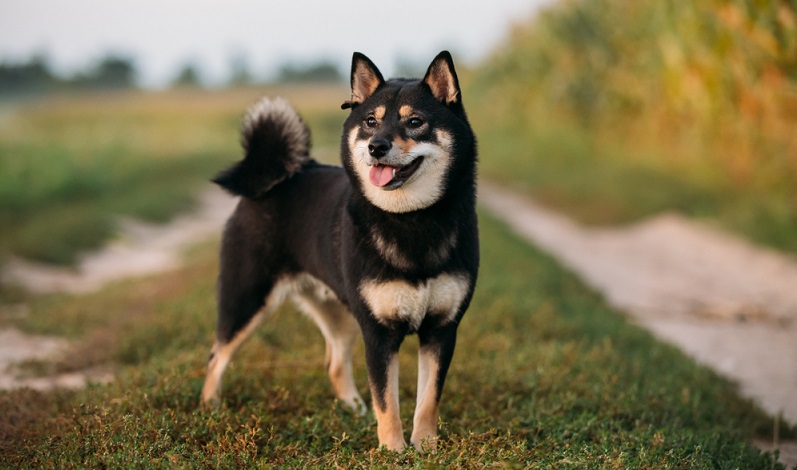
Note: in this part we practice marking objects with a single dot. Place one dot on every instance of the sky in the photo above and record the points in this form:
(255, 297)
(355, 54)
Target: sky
(164, 35)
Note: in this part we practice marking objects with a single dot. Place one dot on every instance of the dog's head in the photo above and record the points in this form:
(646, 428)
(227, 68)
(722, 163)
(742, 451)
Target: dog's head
(406, 143)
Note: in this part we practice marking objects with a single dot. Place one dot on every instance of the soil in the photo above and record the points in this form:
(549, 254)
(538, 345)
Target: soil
(140, 249)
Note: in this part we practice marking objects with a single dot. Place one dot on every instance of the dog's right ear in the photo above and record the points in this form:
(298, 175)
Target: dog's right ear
(365, 79)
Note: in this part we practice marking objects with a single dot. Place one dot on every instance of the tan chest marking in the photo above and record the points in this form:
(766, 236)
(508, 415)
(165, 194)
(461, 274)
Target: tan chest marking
(401, 301)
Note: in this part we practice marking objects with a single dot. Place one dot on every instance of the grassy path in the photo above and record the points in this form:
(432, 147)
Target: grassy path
(544, 375)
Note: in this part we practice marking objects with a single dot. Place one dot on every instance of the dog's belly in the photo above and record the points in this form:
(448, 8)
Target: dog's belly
(398, 300)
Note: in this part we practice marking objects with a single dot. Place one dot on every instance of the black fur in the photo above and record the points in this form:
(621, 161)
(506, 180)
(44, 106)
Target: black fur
(297, 216)
(276, 143)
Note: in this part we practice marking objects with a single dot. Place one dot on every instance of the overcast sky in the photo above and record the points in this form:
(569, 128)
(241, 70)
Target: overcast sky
(162, 35)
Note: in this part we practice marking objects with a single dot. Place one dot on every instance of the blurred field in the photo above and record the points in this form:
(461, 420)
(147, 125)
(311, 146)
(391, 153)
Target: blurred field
(70, 165)
(616, 110)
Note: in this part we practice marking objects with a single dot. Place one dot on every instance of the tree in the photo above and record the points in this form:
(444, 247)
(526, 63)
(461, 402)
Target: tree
(188, 76)
(110, 72)
(115, 72)
(320, 72)
(33, 76)
(239, 71)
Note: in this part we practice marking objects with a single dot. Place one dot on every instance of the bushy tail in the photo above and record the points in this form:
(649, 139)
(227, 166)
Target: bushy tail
(276, 144)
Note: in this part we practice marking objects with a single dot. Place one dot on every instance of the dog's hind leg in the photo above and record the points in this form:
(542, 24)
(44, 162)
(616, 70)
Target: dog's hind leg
(434, 357)
(340, 331)
(241, 310)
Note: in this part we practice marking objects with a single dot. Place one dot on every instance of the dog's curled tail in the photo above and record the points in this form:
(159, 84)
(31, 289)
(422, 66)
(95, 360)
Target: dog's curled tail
(276, 144)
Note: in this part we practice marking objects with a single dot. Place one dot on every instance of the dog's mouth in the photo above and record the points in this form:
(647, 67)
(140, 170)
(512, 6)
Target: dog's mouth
(389, 177)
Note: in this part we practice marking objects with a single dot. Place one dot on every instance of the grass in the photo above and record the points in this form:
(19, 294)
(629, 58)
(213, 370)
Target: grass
(545, 375)
(71, 165)
(613, 112)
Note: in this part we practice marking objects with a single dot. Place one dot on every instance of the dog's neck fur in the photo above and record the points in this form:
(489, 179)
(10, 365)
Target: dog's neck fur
(428, 236)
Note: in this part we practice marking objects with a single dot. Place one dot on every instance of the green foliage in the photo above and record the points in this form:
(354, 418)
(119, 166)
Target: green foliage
(111, 72)
(699, 95)
(35, 76)
(188, 76)
(31, 76)
(544, 376)
(321, 72)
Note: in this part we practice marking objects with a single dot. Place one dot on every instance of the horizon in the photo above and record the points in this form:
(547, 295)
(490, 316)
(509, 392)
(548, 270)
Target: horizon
(161, 38)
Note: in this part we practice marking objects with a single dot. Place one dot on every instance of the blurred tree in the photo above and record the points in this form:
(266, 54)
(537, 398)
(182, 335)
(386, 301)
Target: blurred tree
(319, 72)
(27, 77)
(36, 76)
(115, 72)
(110, 72)
(240, 73)
(188, 76)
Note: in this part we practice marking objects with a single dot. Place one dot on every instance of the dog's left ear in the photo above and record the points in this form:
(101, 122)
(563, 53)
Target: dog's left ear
(365, 79)
(442, 79)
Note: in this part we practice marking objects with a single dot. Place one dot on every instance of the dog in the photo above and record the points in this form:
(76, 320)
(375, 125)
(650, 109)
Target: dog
(386, 245)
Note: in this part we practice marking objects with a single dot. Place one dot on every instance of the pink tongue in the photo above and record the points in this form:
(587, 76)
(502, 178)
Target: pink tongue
(381, 175)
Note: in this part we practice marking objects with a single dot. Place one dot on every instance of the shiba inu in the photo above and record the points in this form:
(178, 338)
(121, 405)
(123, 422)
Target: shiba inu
(387, 245)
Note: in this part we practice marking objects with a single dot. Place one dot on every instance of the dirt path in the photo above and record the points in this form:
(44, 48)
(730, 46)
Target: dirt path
(727, 303)
(140, 249)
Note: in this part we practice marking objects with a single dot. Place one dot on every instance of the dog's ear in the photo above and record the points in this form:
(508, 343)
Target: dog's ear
(442, 79)
(365, 79)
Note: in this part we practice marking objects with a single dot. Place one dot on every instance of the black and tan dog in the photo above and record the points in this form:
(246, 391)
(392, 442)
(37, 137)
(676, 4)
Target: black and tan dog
(387, 245)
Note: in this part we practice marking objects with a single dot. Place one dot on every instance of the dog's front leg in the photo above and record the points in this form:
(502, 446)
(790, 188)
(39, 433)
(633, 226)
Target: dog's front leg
(381, 354)
(434, 356)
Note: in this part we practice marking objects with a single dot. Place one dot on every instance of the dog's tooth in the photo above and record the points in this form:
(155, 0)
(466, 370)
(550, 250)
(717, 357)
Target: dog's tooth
(394, 172)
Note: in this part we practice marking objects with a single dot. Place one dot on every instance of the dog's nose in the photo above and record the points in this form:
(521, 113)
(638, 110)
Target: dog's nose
(379, 147)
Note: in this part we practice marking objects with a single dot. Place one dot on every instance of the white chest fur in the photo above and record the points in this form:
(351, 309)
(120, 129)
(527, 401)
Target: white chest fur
(401, 301)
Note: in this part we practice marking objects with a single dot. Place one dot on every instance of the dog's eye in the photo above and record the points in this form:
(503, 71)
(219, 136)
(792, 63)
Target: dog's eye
(370, 121)
(415, 123)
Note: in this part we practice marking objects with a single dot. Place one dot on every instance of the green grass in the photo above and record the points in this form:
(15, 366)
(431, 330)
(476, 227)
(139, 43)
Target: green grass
(71, 165)
(613, 111)
(545, 375)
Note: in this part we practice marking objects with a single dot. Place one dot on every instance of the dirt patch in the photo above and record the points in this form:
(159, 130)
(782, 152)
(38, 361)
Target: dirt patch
(18, 348)
(725, 302)
(139, 249)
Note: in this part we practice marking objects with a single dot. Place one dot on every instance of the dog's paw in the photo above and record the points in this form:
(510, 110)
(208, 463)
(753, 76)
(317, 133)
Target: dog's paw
(209, 400)
(358, 406)
(425, 446)
(355, 404)
(395, 446)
